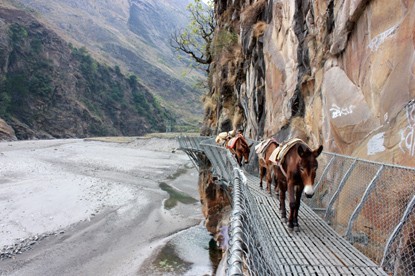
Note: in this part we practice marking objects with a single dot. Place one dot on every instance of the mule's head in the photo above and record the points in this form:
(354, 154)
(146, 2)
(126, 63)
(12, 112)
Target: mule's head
(307, 168)
(243, 150)
(245, 153)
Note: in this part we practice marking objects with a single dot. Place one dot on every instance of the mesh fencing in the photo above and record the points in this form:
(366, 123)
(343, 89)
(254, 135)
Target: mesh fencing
(251, 253)
(370, 204)
(364, 202)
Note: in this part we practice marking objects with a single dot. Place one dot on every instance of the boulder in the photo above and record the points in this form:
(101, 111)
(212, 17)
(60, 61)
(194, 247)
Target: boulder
(6, 132)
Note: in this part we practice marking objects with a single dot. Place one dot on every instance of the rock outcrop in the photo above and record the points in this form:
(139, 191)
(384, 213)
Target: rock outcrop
(6, 132)
(339, 73)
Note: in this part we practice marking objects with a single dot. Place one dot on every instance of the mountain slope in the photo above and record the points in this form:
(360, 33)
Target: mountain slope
(134, 35)
(48, 88)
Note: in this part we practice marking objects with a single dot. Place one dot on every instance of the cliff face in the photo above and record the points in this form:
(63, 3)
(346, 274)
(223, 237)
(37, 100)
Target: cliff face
(49, 88)
(337, 73)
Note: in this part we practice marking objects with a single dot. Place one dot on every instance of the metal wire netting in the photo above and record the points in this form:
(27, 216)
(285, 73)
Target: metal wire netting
(221, 160)
(399, 256)
(364, 201)
(248, 253)
(258, 256)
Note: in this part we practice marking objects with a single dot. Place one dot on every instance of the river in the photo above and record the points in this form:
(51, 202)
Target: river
(115, 206)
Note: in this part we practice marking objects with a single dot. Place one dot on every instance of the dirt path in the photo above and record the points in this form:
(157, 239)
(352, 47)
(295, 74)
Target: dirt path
(75, 207)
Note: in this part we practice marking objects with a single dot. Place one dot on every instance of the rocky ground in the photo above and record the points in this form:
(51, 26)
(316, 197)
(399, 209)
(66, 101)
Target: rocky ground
(97, 207)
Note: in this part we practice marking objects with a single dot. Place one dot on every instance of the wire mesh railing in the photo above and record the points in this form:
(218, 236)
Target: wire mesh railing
(370, 204)
(364, 202)
(252, 253)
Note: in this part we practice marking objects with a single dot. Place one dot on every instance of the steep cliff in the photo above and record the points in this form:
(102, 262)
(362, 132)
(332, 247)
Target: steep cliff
(337, 73)
(48, 88)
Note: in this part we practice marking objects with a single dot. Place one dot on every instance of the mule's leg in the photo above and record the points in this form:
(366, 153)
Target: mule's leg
(269, 179)
(283, 188)
(238, 159)
(276, 189)
(262, 172)
(298, 193)
(293, 204)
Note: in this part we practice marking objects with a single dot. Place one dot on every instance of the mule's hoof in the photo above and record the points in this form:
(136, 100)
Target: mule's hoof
(297, 229)
(284, 220)
(290, 229)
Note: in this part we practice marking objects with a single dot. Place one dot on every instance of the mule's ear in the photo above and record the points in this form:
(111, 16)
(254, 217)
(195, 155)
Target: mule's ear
(318, 151)
(300, 151)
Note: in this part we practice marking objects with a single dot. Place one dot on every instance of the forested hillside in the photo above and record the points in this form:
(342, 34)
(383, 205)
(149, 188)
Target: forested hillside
(135, 35)
(50, 88)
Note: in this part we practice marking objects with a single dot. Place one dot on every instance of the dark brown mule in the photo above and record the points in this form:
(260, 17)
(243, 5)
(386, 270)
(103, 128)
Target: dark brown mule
(265, 165)
(239, 148)
(296, 174)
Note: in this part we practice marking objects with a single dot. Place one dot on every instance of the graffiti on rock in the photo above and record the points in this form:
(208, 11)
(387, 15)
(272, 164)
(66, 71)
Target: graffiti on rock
(407, 143)
(337, 111)
(375, 144)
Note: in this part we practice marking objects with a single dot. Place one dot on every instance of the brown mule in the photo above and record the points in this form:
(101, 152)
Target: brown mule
(264, 164)
(239, 148)
(295, 173)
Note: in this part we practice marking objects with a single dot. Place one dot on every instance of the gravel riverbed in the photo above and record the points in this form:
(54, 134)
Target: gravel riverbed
(98, 207)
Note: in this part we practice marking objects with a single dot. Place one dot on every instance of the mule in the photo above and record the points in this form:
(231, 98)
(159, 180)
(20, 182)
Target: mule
(264, 151)
(295, 173)
(239, 147)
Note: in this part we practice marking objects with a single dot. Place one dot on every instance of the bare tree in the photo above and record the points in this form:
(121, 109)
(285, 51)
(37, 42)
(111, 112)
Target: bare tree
(195, 40)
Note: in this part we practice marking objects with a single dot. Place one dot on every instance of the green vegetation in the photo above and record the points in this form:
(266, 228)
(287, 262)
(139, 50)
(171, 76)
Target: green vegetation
(20, 86)
(18, 34)
(168, 261)
(195, 40)
(109, 85)
(108, 101)
(224, 40)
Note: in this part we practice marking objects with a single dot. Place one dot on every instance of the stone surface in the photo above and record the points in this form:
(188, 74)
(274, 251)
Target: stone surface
(340, 72)
(6, 132)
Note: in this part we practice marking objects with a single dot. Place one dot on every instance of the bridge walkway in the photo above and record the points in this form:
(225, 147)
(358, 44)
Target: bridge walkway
(260, 243)
(316, 249)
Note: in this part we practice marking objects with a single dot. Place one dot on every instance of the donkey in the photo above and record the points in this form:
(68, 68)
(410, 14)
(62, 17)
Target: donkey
(264, 151)
(239, 148)
(296, 172)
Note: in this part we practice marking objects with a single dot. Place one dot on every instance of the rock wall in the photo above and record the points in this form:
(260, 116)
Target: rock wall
(337, 73)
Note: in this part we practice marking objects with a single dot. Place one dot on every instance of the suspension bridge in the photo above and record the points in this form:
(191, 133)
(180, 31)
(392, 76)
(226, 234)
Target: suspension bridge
(360, 221)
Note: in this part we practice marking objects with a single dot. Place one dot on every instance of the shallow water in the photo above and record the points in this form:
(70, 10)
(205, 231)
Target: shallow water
(189, 252)
(175, 196)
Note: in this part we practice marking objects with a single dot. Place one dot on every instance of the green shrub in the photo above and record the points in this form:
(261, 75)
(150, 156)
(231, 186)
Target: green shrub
(224, 40)
(17, 33)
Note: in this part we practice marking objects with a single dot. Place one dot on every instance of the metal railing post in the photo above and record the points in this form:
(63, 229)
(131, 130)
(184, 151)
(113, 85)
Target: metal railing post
(339, 188)
(356, 211)
(324, 173)
(408, 211)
